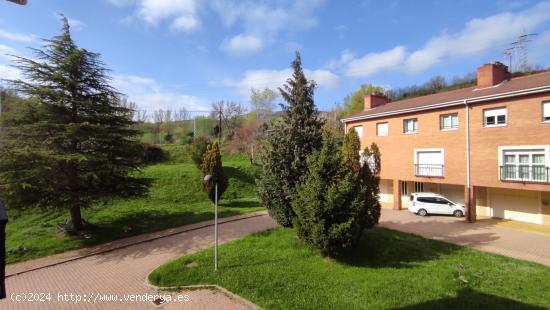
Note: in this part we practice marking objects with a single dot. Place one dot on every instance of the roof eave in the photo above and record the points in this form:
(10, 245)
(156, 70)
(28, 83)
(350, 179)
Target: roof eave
(515, 93)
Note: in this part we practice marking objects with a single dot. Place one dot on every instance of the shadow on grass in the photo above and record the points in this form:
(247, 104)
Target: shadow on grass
(382, 248)
(470, 299)
(232, 172)
(140, 222)
(240, 204)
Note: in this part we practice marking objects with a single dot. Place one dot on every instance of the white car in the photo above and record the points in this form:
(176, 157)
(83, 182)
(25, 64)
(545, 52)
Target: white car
(431, 203)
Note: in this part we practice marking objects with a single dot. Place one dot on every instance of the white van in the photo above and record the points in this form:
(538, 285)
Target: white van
(431, 203)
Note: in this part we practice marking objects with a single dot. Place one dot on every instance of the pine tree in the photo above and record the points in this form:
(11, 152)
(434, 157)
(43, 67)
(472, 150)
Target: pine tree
(72, 144)
(212, 165)
(369, 177)
(339, 198)
(293, 138)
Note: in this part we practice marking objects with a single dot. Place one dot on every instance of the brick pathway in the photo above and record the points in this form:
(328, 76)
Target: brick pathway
(483, 235)
(121, 267)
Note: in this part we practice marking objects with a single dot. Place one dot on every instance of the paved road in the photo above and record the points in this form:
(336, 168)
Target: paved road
(124, 270)
(483, 235)
(124, 267)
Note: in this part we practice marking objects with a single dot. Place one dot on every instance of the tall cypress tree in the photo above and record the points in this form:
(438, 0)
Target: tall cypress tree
(291, 141)
(72, 144)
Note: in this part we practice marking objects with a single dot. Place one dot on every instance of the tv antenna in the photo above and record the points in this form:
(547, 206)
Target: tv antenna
(519, 48)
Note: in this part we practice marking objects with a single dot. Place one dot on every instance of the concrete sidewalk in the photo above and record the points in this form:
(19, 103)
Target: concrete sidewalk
(119, 269)
(490, 235)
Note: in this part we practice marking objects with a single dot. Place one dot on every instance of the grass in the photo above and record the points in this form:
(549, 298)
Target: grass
(175, 198)
(389, 270)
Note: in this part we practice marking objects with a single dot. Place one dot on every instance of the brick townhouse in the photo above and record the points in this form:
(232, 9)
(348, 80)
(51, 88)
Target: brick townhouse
(487, 146)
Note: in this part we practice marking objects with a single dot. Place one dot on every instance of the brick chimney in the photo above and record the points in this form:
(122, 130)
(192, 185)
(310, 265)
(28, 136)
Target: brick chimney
(492, 74)
(375, 100)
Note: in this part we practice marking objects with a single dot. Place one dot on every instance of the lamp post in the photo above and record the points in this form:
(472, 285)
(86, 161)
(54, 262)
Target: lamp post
(3, 222)
(208, 179)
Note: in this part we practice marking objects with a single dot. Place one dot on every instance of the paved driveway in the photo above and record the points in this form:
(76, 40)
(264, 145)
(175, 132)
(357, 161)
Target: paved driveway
(483, 235)
(122, 271)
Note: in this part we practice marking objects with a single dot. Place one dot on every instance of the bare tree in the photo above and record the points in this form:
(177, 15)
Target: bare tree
(231, 112)
(181, 115)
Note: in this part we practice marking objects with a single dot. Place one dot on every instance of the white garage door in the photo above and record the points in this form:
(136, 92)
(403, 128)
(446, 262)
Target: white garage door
(515, 205)
(453, 192)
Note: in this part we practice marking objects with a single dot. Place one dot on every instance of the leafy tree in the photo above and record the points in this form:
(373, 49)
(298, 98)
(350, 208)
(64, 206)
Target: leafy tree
(292, 138)
(212, 165)
(262, 102)
(356, 102)
(198, 149)
(369, 178)
(73, 144)
(330, 205)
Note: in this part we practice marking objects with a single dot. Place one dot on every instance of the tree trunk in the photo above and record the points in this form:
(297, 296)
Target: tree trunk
(76, 218)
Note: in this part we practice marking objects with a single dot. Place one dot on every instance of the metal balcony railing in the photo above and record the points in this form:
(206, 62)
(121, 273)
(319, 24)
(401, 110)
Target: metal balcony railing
(429, 170)
(530, 174)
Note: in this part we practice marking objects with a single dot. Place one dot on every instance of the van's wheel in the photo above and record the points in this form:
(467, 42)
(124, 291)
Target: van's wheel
(458, 213)
(422, 212)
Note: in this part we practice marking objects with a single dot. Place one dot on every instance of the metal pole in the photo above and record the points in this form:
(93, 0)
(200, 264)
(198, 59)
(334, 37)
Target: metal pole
(220, 126)
(3, 222)
(468, 184)
(216, 227)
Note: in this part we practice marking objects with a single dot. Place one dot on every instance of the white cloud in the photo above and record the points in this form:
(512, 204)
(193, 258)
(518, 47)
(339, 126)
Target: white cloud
(242, 44)
(276, 78)
(345, 57)
(257, 22)
(181, 14)
(9, 73)
(5, 51)
(375, 62)
(479, 36)
(260, 20)
(150, 95)
(16, 36)
(76, 24)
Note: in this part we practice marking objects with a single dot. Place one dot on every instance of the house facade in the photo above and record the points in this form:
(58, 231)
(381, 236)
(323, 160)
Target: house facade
(487, 146)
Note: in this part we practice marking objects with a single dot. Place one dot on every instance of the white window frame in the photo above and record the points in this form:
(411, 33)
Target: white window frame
(440, 150)
(418, 187)
(496, 112)
(405, 127)
(378, 129)
(404, 188)
(451, 115)
(522, 150)
(359, 132)
(546, 112)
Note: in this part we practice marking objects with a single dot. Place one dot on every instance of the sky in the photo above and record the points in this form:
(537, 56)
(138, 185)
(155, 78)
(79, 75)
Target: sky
(168, 54)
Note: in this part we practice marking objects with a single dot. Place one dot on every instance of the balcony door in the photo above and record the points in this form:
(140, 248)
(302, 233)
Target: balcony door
(429, 162)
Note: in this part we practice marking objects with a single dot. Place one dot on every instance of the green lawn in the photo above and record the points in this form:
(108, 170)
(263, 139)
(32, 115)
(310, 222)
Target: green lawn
(176, 198)
(390, 270)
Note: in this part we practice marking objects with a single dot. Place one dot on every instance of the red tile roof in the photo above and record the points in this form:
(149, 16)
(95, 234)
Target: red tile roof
(518, 84)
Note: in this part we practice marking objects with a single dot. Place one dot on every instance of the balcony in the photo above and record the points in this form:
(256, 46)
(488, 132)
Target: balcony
(429, 170)
(526, 174)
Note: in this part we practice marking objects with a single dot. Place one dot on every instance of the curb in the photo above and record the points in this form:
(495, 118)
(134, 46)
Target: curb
(199, 225)
(213, 287)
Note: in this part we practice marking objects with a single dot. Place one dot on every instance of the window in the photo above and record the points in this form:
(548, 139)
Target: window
(448, 121)
(546, 111)
(494, 117)
(404, 188)
(418, 187)
(359, 131)
(524, 164)
(410, 125)
(429, 162)
(382, 129)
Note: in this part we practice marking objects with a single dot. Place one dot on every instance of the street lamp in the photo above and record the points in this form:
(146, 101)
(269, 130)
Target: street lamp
(3, 222)
(209, 179)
